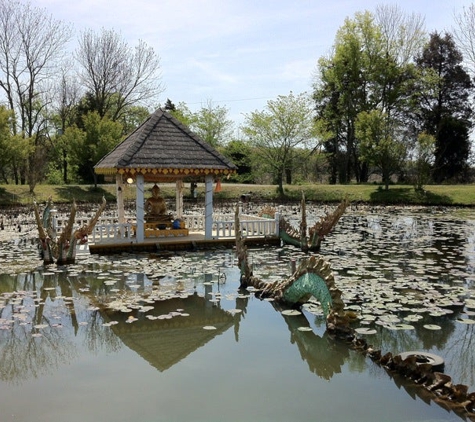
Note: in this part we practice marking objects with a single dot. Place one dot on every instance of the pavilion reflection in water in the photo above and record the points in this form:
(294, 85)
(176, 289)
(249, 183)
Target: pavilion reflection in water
(161, 342)
(165, 342)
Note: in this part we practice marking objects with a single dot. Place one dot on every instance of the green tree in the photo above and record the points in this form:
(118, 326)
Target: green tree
(181, 112)
(13, 147)
(241, 154)
(445, 109)
(369, 69)
(88, 146)
(132, 118)
(379, 145)
(211, 122)
(64, 114)
(285, 123)
(423, 160)
(32, 45)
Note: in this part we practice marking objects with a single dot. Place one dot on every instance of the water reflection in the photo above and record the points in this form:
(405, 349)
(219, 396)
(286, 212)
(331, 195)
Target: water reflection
(165, 342)
(40, 322)
(157, 306)
(323, 354)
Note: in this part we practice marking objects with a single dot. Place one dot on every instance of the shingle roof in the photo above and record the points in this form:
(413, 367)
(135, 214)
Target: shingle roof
(164, 146)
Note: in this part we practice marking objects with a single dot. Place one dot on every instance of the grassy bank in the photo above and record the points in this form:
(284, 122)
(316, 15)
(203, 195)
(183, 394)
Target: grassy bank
(456, 195)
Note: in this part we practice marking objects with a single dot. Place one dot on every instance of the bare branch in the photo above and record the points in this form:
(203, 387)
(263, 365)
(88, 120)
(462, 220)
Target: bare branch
(115, 74)
(464, 35)
(405, 34)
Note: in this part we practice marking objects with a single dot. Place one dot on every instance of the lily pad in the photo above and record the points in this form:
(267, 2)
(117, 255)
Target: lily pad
(365, 330)
(432, 327)
(465, 321)
(304, 329)
(291, 312)
(400, 327)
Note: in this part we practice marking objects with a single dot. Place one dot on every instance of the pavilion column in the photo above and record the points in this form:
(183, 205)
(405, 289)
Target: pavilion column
(179, 198)
(139, 207)
(119, 185)
(209, 206)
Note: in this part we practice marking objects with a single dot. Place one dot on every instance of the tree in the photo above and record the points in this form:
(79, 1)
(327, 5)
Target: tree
(368, 69)
(65, 114)
(14, 148)
(452, 150)
(115, 75)
(241, 154)
(132, 117)
(180, 112)
(404, 34)
(32, 45)
(445, 109)
(423, 160)
(11, 146)
(275, 132)
(211, 124)
(99, 137)
(379, 145)
(464, 35)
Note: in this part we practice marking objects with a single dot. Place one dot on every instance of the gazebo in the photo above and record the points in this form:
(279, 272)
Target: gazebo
(163, 150)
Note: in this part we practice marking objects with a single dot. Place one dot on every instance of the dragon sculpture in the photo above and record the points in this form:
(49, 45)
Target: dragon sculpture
(311, 241)
(62, 249)
(313, 277)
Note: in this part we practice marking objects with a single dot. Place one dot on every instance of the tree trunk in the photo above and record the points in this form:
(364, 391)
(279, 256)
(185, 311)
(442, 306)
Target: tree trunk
(65, 167)
(280, 186)
(288, 176)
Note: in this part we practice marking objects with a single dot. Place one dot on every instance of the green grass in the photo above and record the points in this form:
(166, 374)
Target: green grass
(459, 195)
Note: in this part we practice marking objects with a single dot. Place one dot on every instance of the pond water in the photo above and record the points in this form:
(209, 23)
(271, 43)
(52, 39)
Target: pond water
(171, 337)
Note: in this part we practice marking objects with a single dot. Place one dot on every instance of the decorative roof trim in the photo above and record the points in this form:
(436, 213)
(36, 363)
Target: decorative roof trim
(173, 172)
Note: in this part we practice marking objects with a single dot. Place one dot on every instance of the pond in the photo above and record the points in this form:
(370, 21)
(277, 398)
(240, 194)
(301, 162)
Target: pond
(171, 337)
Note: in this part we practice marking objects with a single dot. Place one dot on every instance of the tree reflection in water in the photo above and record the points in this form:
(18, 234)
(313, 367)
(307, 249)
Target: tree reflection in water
(38, 325)
(372, 254)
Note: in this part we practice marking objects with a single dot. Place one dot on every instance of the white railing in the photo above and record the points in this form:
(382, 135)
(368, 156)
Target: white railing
(194, 222)
(114, 231)
(250, 226)
(108, 228)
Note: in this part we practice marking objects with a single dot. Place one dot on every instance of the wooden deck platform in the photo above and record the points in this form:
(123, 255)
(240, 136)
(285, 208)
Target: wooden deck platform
(192, 242)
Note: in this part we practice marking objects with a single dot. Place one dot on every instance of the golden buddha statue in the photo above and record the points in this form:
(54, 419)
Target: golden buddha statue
(156, 207)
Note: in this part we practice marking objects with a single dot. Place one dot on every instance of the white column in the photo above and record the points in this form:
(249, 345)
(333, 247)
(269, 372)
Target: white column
(179, 198)
(209, 206)
(119, 185)
(139, 206)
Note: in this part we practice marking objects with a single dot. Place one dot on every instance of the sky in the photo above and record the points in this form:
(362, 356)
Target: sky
(236, 53)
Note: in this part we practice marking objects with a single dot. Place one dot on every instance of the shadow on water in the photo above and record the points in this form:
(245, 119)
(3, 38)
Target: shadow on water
(401, 196)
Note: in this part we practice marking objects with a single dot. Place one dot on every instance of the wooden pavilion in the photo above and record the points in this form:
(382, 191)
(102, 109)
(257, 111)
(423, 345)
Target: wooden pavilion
(163, 150)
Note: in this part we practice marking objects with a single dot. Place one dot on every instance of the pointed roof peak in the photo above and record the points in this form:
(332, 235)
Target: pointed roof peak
(162, 145)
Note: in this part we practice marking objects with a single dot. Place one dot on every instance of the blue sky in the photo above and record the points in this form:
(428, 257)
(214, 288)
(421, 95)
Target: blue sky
(236, 53)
